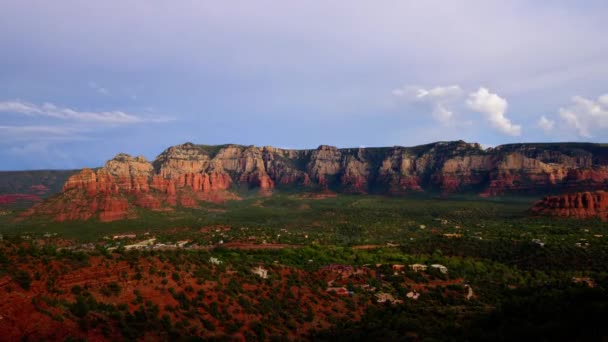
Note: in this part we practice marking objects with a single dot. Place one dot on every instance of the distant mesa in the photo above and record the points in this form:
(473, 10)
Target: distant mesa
(577, 205)
(186, 174)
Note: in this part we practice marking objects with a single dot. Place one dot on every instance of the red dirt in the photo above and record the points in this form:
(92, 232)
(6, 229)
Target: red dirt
(22, 317)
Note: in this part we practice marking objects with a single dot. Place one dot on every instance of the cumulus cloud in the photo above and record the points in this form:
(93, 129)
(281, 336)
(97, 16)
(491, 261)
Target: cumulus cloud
(494, 108)
(586, 115)
(440, 99)
(545, 124)
(52, 111)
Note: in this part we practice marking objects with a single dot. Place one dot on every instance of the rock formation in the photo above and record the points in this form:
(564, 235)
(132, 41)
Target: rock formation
(578, 205)
(184, 174)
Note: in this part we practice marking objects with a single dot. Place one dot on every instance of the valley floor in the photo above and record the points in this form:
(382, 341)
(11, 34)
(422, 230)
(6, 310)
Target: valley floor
(287, 267)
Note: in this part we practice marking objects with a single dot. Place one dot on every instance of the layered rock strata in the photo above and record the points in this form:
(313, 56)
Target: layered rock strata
(188, 173)
(577, 205)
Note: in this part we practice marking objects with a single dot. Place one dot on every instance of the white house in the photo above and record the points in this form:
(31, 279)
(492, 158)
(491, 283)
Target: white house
(441, 268)
(261, 272)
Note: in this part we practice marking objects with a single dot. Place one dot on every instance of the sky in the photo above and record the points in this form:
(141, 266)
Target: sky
(81, 81)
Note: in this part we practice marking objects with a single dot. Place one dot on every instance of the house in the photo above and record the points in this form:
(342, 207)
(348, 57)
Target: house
(441, 268)
(539, 242)
(215, 261)
(398, 267)
(413, 295)
(418, 267)
(383, 297)
(261, 272)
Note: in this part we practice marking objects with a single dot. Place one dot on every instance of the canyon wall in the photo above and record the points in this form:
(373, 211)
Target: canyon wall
(188, 173)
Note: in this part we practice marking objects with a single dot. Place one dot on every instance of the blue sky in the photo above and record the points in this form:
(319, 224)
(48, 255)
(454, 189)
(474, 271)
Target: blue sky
(83, 80)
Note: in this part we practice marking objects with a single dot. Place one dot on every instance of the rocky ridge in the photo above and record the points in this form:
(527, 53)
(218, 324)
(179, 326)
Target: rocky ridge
(579, 205)
(188, 173)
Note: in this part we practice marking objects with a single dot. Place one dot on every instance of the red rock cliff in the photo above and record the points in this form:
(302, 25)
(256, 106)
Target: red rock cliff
(577, 205)
(187, 173)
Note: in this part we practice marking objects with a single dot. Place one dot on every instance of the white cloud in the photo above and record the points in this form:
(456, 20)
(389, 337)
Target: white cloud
(440, 93)
(585, 115)
(52, 111)
(494, 108)
(546, 124)
(440, 99)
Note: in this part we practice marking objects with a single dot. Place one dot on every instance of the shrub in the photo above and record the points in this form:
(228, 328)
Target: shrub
(76, 289)
(23, 278)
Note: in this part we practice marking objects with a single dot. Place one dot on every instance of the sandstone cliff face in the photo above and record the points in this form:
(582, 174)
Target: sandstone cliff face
(188, 173)
(578, 205)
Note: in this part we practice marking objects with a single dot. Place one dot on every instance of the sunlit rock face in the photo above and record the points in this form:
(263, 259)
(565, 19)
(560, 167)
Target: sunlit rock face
(184, 174)
(577, 205)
